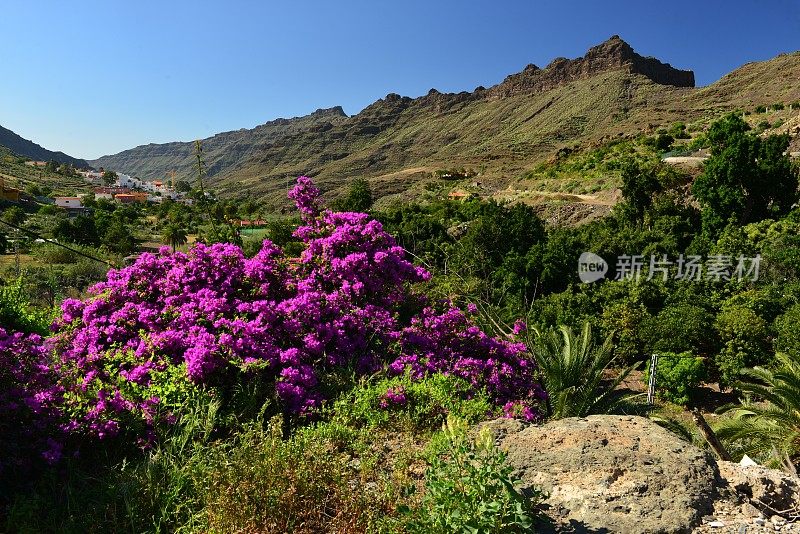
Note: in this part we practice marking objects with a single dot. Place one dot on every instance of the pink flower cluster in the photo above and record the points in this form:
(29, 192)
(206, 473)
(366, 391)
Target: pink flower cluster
(30, 397)
(395, 396)
(219, 318)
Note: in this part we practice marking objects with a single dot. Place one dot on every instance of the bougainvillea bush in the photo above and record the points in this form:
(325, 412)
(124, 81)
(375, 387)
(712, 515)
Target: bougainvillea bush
(175, 324)
(30, 396)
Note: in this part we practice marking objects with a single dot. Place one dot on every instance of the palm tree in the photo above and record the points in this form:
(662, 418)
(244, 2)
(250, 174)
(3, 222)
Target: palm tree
(572, 369)
(174, 236)
(766, 425)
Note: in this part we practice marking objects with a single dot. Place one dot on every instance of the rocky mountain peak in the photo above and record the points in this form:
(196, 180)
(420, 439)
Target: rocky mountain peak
(612, 54)
(336, 111)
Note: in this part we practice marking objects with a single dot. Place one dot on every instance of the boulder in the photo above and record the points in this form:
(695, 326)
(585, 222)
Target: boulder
(612, 473)
(768, 490)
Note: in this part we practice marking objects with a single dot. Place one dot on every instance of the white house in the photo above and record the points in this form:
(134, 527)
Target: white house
(125, 180)
(69, 202)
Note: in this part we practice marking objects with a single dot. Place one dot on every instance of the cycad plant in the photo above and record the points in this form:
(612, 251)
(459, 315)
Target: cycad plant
(766, 425)
(572, 368)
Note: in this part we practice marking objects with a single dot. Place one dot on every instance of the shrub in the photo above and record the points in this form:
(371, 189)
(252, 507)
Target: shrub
(744, 342)
(52, 254)
(414, 404)
(572, 369)
(470, 488)
(761, 109)
(262, 483)
(29, 409)
(680, 327)
(677, 376)
(678, 131)
(213, 320)
(625, 320)
(788, 333)
(157, 491)
(16, 314)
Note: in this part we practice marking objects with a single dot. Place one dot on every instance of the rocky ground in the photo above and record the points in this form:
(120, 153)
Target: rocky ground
(626, 474)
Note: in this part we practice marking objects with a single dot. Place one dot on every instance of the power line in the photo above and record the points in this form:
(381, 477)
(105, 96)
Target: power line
(56, 243)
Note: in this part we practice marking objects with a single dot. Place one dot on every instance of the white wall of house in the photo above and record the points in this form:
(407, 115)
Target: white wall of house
(68, 202)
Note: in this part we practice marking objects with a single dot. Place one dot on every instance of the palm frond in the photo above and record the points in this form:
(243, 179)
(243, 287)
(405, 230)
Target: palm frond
(573, 371)
(766, 425)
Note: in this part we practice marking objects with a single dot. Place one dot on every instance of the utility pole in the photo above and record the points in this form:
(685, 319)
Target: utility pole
(651, 383)
(16, 251)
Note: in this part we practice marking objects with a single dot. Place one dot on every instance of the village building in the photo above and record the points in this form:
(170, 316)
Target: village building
(10, 194)
(130, 198)
(69, 202)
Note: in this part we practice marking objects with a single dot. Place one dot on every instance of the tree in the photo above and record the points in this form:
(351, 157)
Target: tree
(788, 335)
(33, 190)
(358, 198)
(81, 230)
(663, 142)
(174, 236)
(745, 341)
(3, 243)
(182, 186)
(119, 238)
(746, 179)
(14, 215)
(639, 186)
(110, 177)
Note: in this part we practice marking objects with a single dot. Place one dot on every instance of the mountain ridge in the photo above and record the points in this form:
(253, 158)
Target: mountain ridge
(609, 92)
(24, 147)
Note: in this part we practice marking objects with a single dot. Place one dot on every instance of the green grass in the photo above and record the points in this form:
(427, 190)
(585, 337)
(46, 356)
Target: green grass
(358, 468)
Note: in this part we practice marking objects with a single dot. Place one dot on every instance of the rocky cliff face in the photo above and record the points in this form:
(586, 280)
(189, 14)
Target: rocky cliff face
(611, 55)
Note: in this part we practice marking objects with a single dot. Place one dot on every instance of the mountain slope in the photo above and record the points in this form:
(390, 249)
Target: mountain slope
(29, 149)
(220, 152)
(501, 131)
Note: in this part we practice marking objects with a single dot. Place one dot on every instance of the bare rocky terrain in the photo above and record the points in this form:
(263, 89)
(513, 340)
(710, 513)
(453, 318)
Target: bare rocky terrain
(627, 474)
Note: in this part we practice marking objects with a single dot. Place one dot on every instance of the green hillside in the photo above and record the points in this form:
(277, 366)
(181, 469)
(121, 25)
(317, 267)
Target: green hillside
(29, 149)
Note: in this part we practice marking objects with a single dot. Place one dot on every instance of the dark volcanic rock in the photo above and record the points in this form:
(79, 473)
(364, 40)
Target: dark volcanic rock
(612, 54)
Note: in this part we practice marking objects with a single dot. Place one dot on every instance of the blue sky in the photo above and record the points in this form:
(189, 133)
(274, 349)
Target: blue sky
(96, 77)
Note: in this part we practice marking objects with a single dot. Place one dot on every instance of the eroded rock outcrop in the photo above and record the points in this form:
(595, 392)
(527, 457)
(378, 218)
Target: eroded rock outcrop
(767, 490)
(627, 474)
(609, 55)
(613, 473)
